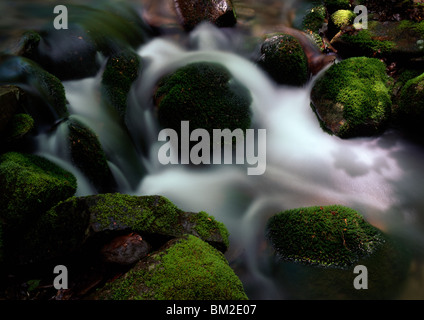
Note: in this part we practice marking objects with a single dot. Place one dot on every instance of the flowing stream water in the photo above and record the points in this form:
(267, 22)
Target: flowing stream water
(381, 177)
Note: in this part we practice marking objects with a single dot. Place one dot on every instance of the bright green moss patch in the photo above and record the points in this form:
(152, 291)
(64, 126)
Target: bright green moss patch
(205, 94)
(329, 236)
(30, 186)
(284, 60)
(364, 42)
(342, 18)
(206, 226)
(353, 97)
(187, 269)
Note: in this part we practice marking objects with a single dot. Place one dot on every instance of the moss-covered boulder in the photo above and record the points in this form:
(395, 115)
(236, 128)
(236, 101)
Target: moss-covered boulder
(87, 154)
(120, 72)
(219, 12)
(31, 185)
(207, 95)
(19, 127)
(353, 98)
(313, 22)
(334, 236)
(78, 221)
(185, 268)
(284, 59)
(48, 100)
(409, 106)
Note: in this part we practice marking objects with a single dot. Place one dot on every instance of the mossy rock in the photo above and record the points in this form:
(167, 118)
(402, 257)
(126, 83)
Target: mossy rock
(19, 127)
(120, 72)
(334, 5)
(30, 186)
(387, 271)
(339, 20)
(44, 87)
(205, 94)
(409, 109)
(334, 236)
(185, 268)
(71, 224)
(284, 59)
(88, 155)
(313, 21)
(353, 98)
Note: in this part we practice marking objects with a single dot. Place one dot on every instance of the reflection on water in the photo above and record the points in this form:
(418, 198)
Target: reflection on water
(382, 177)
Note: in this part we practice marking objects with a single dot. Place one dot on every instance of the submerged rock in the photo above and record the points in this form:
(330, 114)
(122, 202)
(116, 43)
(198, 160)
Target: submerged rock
(334, 236)
(353, 98)
(218, 12)
(186, 268)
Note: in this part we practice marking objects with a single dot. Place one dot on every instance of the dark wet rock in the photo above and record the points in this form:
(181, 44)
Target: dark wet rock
(185, 268)
(10, 98)
(20, 126)
(87, 154)
(353, 98)
(284, 59)
(45, 92)
(30, 186)
(71, 224)
(67, 53)
(193, 12)
(126, 249)
(120, 72)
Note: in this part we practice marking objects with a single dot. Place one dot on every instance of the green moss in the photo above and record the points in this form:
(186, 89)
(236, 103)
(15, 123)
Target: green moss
(206, 226)
(206, 95)
(30, 186)
(20, 125)
(360, 88)
(367, 45)
(330, 236)
(19, 70)
(314, 18)
(88, 155)
(150, 214)
(342, 18)
(284, 60)
(411, 106)
(189, 269)
(120, 72)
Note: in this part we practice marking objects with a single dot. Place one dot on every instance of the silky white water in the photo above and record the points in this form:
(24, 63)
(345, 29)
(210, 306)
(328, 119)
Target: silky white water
(381, 177)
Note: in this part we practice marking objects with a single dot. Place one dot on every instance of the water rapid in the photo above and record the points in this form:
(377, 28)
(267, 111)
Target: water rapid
(381, 177)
